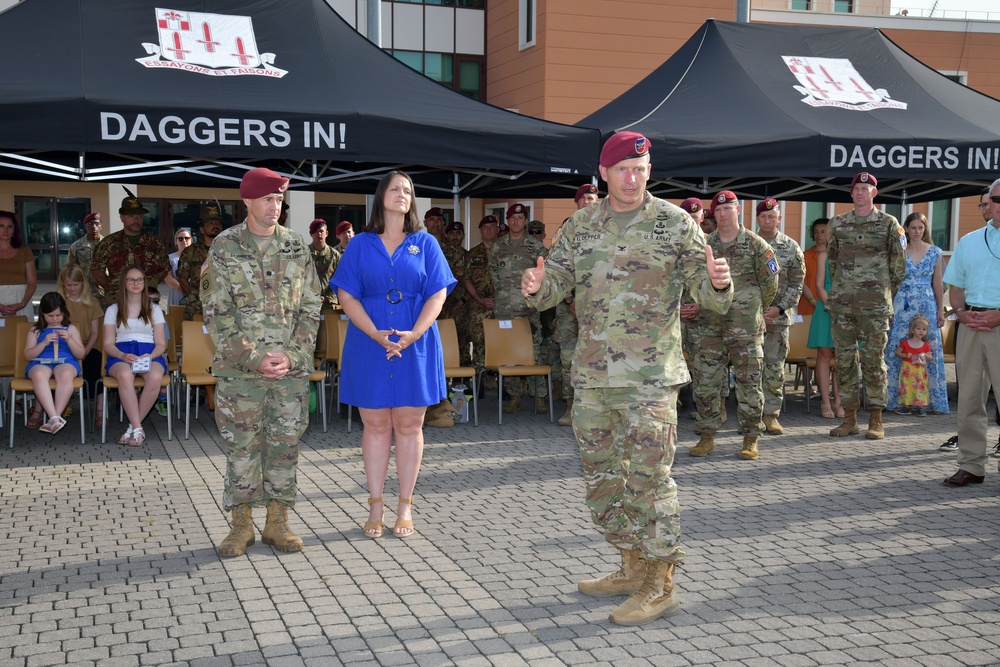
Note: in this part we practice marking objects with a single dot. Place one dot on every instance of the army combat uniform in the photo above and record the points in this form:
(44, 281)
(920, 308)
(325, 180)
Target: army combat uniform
(258, 301)
(736, 336)
(454, 306)
(628, 363)
(867, 265)
(477, 271)
(325, 261)
(81, 253)
(508, 259)
(791, 276)
(189, 268)
(117, 251)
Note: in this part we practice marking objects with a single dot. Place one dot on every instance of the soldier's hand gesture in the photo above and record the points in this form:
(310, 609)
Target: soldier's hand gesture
(532, 279)
(718, 269)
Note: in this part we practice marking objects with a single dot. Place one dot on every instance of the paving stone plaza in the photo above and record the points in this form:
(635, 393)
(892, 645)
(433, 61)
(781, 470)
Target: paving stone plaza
(823, 552)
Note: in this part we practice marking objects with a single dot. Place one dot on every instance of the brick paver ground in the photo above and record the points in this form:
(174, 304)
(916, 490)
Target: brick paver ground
(824, 552)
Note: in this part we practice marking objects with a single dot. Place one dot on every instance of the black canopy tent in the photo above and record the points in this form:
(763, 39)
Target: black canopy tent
(793, 112)
(199, 91)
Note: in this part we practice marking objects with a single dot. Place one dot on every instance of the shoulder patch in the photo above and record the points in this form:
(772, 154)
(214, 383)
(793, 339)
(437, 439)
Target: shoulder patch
(902, 238)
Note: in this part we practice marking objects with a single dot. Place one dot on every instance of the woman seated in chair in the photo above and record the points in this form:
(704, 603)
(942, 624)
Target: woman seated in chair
(52, 349)
(134, 340)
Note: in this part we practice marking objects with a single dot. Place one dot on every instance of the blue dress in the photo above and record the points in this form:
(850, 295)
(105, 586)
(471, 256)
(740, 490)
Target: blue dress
(393, 291)
(47, 356)
(916, 297)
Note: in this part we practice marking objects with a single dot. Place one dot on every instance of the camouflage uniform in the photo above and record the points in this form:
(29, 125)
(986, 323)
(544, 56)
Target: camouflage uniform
(867, 264)
(737, 336)
(454, 305)
(325, 261)
(508, 260)
(477, 271)
(628, 362)
(791, 275)
(81, 253)
(257, 301)
(189, 268)
(565, 337)
(115, 252)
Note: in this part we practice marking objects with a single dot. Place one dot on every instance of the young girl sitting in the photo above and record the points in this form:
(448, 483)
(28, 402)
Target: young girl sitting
(52, 349)
(134, 332)
(914, 393)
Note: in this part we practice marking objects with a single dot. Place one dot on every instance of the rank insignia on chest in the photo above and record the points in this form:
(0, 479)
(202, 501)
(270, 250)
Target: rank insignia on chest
(621, 249)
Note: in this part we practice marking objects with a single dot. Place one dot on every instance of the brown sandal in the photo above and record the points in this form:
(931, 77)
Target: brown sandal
(374, 526)
(404, 524)
(35, 420)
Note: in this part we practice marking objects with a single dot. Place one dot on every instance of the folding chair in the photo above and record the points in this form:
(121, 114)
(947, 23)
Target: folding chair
(800, 355)
(510, 351)
(196, 366)
(452, 363)
(8, 343)
(20, 383)
(111, 382)
(175, 336)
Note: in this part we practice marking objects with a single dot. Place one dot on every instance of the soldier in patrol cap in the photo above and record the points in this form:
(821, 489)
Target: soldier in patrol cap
(454, 305)
(628, 258)
(736, 336)
(509, 257)
(192, 260)
(82, 252)
(132, 245)
(867, 253)
(778, 316)
(479, 286)
(261, 298)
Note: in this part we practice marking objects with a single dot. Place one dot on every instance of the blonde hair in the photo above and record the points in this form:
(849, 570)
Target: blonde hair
(916, 320)
(74, 274)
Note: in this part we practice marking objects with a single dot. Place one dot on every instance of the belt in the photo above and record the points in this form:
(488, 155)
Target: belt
(979, 308)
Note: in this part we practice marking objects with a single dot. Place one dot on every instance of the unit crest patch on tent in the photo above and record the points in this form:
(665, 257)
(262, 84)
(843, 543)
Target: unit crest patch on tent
(211, 44)
(833, 82)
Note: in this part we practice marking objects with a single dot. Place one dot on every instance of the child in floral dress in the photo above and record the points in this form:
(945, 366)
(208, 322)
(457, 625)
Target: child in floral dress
(914, 394)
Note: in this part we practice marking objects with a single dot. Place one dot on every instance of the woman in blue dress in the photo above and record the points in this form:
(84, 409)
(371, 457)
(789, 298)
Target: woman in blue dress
(392, 282)
(922, 293)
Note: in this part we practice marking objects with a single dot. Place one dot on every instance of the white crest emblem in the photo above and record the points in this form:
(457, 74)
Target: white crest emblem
(211, 44)
(833, 82)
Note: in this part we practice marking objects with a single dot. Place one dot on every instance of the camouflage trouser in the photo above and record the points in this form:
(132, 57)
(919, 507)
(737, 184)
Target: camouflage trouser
(775, 353)
(475, 313)
(518, 386)
(627, 439)
(261, 422)
(566, 329)
(461, 318)
(871, 330)
(550, 347)
(746, 356)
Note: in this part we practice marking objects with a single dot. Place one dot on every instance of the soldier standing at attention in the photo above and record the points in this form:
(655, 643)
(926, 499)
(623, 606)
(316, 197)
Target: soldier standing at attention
(262, 303)
(455, 304)
(867, 253)
(509, 257)
(193, 258)
(325, 258)
(479, 286)
(82, 252)
(736, 337)
(628, 258)
(778, 316)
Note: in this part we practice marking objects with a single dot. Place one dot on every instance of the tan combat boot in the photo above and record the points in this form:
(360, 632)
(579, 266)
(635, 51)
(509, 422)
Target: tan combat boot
(513, 406)
(849, 425)
(705, 446)
(875, 429)
(276, 531)
(241, 534)
(625, 581)
(567, 419)
(655, 599)
(772, 426)
(557, 388)
(749, 451)
(542, 406)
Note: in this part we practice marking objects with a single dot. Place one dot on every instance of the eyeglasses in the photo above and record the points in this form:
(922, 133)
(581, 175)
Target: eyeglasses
(982, 206)
(135, 281)
(183, 238)
(538, 233)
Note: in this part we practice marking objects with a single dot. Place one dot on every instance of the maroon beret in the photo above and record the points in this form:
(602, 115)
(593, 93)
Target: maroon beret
(96, 217)
(455, 227)
(434, 212)
(261, 182)
(588, 189)
(724, 197)
(864, 177)
(768, 204)
(489, 220)
(692, 205)
(517, 208)
(315, 225)
(623, 146)
(343, 227)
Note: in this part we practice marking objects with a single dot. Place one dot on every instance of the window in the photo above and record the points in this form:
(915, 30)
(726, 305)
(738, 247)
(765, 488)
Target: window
(526, 23)
(802, 5)
(464, 4)
(940, 220)
(335, 213)
(470, 77)
(810, 211)
(49, 226)
(460, 72)
(843, 6)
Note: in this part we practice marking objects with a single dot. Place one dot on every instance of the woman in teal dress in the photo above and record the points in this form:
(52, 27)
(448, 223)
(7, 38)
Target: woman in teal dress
(821, 339)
